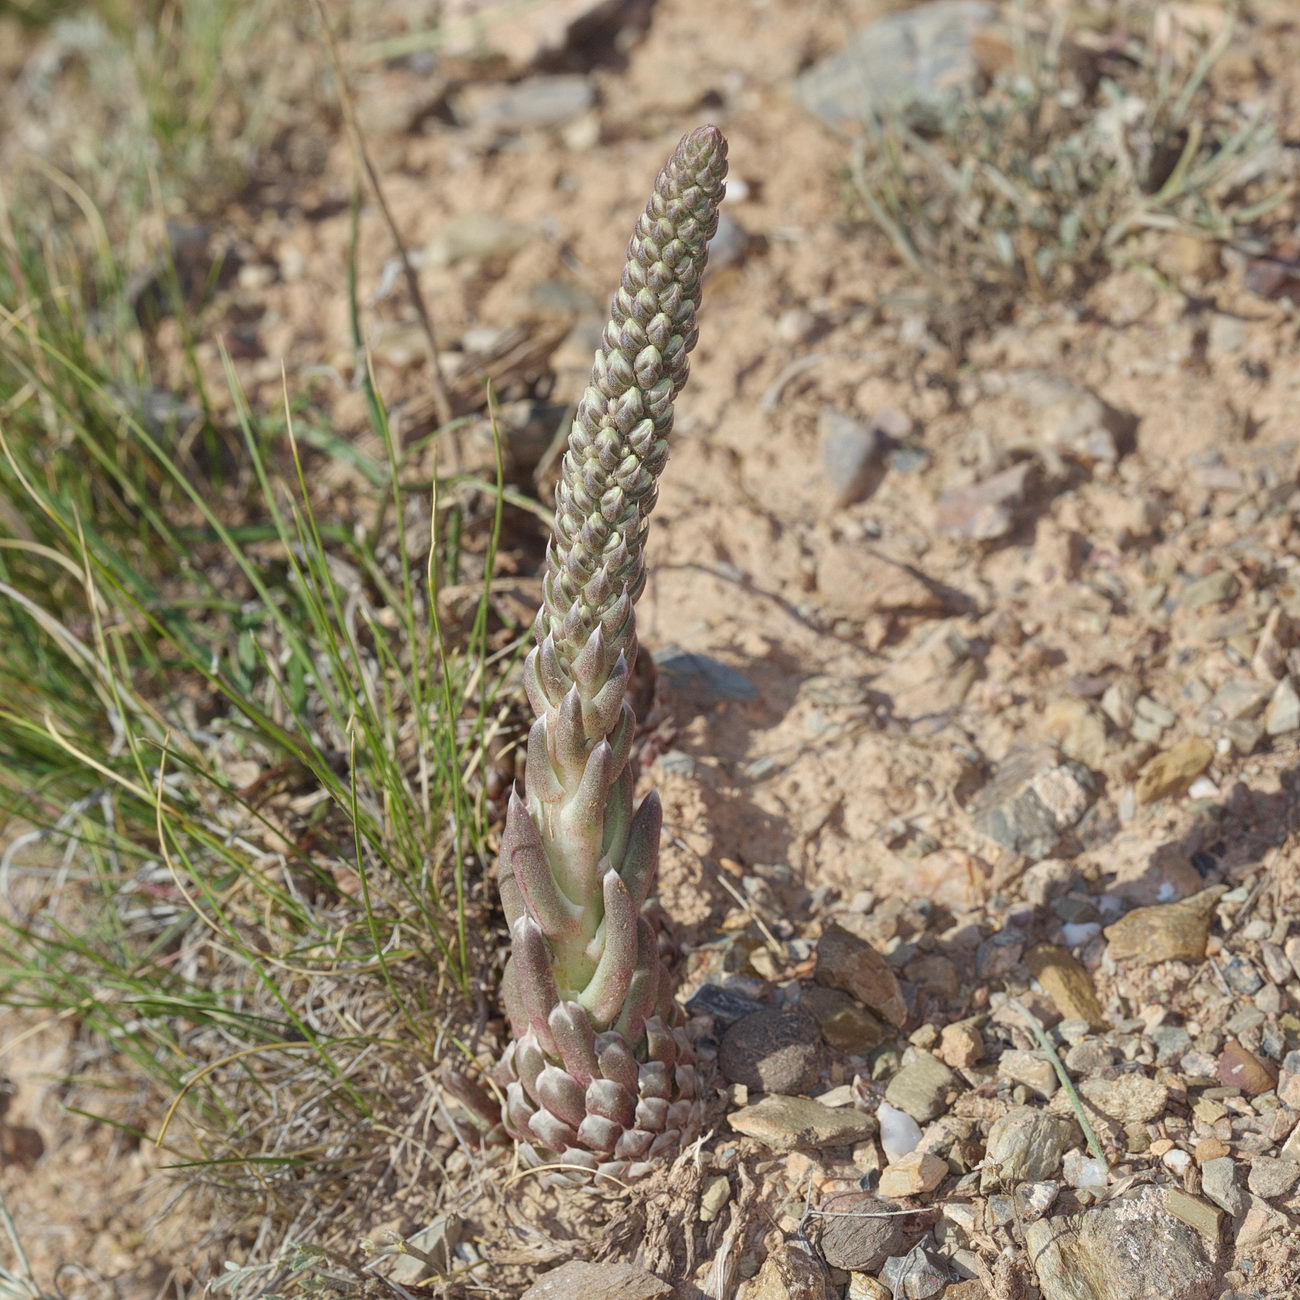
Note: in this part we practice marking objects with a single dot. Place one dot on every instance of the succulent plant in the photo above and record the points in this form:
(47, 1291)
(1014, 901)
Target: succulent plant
(600, 1075)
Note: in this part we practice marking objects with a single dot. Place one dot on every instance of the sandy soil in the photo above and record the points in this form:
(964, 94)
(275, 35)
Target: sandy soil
(895, 659)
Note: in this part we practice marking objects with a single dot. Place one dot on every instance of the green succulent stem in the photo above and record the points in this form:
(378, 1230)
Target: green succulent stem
(600, 1072)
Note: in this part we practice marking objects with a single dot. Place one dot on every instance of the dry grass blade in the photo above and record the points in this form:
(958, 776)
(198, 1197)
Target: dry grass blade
(438, 380)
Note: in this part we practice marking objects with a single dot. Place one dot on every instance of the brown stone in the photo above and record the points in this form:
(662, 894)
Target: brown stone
(845, 1024)
(860, 1232)
(1194, 1212)
(845, 960)
(914, 1174)
(960, 1046)
(1239, 1067)
(777, 1049)
(1171, 772)
(1166, 931)
(1066, 981)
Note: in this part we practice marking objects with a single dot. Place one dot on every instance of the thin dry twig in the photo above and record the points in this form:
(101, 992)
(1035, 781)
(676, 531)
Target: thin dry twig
(441, 394)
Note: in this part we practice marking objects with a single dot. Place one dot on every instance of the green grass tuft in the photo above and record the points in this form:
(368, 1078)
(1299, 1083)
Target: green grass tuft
(241, 743)
(1039, 184)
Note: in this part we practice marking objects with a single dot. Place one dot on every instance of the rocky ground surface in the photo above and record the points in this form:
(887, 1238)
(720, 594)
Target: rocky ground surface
(978, 718)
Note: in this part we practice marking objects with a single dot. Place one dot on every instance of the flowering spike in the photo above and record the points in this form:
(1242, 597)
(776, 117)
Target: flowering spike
(598, 1068)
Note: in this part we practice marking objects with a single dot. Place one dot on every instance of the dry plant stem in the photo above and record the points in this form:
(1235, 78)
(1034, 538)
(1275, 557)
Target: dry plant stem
(601, 1073)
(441, 393)
(1076, 1103)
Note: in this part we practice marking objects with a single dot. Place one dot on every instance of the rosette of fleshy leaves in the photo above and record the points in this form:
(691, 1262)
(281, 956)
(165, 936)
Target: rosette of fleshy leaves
(600, 1075)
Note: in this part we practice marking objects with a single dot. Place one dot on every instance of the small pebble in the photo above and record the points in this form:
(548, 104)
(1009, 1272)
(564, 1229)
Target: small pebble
(913, 1175)
(1239, 1067)
(1077, 934)
(900, 1134)
(1083, 1171)
(1030, 1069)
(960, 1046)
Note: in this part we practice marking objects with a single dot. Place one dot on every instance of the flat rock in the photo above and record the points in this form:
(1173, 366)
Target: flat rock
(476, 239)
(1165, 931)
(923, 1087)
(1288, 1082)
(604, 1281)
(988, 510)
(531, 104)
(1128, 1099)
(914, 1174)
(1220, 1183)
(701, 678)
(437, 1242)
(845, 1023)
(773, 1050)
(1067, 982)
(723, 1006)
(918, 1275)
(1035, 796)
(1130, 1248)
(1283, 712)
(1172, 772)
(716, 1193)
(1026, 1145)
(859, 1233)
(1079, 729)
(1213, 589)
(1270, 1177)
(856, 583)
(845, 960)
(1194, 1212)
(918, 55)
(1030, 1069)
(788, 1123)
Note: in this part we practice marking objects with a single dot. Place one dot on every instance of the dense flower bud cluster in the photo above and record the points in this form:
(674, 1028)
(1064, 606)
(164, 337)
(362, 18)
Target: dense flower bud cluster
(600, 1074)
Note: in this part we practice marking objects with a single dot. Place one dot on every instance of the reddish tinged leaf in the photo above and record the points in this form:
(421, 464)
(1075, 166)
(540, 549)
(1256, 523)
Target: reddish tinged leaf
(608, 988)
